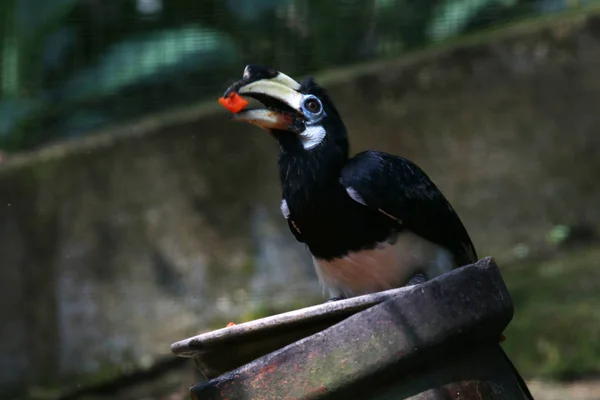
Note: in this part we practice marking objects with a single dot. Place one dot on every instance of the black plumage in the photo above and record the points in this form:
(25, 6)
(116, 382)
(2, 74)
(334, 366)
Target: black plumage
(419, 207)
(398, 195)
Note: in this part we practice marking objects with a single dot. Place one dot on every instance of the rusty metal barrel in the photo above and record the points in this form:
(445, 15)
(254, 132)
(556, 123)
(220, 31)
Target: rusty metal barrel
(436, 340)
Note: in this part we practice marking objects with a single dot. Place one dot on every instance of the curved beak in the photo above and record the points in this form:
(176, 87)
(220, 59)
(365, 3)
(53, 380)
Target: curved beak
(267, 83)
(274, 90)
(266, 119)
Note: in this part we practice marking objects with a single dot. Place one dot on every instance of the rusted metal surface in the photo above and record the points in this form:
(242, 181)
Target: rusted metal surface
(438, 340)
(463, 373)
(225, 349)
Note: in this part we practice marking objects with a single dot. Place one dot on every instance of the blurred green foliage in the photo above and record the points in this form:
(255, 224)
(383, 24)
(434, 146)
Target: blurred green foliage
(70, 66)
(559, 313)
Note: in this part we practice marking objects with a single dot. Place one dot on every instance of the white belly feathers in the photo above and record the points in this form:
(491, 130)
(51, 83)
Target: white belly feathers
(387, 266)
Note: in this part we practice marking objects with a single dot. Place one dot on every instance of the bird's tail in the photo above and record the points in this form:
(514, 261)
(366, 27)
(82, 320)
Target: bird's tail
(518, 376)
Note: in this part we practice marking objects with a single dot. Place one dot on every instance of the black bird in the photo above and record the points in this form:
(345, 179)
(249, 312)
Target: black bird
(371, 222)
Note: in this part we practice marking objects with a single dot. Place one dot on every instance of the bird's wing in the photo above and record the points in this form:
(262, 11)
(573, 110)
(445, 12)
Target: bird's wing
(295, 231)
(400, 190)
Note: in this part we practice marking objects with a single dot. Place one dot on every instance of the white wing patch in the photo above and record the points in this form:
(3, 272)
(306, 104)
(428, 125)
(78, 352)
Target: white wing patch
(285, 209)
(312, 136)
(354, 195)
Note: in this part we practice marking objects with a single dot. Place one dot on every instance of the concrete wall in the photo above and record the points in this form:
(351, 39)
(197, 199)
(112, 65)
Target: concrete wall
(115, 246)
(112, 251)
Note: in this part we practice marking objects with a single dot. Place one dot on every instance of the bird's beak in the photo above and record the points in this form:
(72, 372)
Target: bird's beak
(266, 119)
(277, 91)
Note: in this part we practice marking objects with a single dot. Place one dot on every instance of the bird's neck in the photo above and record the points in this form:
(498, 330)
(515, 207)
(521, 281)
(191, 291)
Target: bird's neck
(311, 177)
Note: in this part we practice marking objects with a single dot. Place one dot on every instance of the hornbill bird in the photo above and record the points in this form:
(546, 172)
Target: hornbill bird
(371, 222)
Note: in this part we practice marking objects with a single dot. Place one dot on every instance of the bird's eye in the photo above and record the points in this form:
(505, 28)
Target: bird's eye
(312, 105)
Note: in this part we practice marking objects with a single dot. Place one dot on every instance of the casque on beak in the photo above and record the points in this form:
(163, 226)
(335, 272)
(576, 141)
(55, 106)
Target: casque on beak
(277, 91)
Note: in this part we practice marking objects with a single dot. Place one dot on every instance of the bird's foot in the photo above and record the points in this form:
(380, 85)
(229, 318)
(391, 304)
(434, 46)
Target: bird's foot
(334, 298)
(416, 279)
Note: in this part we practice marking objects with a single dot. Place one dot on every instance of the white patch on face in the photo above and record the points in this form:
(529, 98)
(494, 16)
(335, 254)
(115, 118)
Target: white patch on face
(284, 209)
(354, 195)
(312, 136)
(386, 267)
